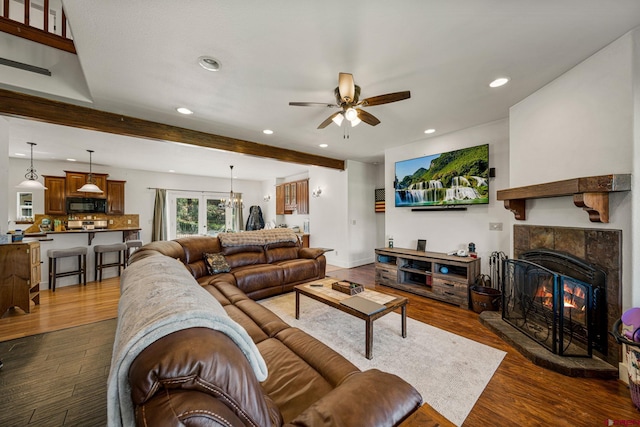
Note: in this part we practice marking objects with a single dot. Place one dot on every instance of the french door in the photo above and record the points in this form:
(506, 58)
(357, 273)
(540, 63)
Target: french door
(195, 213)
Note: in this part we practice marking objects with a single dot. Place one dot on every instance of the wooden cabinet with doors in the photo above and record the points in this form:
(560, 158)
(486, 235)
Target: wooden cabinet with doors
(302, 196)
(76, 180)
(54, 195)
(19, 275)
(279, 200)
(115, 197)
(292, 196)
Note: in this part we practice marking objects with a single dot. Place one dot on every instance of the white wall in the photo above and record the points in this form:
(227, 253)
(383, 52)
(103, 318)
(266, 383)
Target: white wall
(361, 184)
(582, 124)
(328, 214)
(451, 230)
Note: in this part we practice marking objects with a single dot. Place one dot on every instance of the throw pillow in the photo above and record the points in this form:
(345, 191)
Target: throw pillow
(216, 263)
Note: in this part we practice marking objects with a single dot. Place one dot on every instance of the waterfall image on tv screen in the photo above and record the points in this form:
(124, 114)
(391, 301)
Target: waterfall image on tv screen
(459, 177)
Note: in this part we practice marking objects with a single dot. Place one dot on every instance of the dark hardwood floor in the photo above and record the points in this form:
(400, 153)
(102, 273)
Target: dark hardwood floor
(520, 393)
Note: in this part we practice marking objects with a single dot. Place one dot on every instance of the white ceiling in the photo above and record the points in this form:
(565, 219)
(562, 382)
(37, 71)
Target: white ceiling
(140, 59)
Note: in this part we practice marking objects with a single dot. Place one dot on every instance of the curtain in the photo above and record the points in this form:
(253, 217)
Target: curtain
(160, 222)
(237, 220)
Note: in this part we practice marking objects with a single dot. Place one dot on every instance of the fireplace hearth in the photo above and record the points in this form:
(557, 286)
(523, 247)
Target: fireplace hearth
(558, 300)
(602, 250)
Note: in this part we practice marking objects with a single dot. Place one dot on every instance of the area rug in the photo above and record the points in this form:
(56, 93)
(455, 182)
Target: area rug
(448, 370)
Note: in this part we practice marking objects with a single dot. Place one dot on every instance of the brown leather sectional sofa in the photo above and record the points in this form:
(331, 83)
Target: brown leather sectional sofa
(271, 262)
(199, 376)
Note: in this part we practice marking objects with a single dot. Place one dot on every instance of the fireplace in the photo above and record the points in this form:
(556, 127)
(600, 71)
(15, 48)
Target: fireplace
(558, 300)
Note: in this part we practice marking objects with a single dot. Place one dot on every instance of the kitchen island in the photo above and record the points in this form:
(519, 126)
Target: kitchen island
(73, 238)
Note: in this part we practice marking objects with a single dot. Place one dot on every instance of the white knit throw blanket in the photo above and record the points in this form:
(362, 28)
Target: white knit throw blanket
(159, 297)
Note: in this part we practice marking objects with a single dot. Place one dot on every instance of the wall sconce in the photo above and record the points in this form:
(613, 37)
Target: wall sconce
(317, 192)
(267, 197)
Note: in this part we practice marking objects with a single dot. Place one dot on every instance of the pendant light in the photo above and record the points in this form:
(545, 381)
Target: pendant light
(90, 186)
(232, 202)
(31, 183)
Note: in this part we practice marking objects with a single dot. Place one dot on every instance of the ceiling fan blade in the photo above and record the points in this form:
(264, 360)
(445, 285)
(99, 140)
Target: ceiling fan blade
(312, 104)
(387, 98)
(368, 118)
(346, 87)
(328, 121)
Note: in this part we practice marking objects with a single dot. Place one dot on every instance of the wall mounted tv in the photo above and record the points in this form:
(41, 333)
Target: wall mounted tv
(455, 178)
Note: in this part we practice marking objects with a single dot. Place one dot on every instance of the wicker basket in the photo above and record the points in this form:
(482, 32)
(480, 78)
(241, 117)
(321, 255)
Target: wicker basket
(633, 362)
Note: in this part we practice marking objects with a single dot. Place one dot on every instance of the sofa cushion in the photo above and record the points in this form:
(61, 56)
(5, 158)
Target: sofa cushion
(185, 360)
(248, 255)
(195, 246)
(298, 270)
(281, 253)
(255, 277)
(297, 385)
(216, 263)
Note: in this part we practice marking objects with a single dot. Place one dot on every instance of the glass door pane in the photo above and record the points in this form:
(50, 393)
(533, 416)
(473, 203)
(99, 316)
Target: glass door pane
(215, 217)
(187, 216)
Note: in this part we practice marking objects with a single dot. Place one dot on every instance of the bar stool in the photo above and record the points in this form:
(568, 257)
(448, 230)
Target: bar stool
(131, 244)
(55, 254)
(100, 250)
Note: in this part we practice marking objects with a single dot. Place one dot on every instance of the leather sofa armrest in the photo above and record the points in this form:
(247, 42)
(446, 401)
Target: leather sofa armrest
(310, 253)
(370, 398)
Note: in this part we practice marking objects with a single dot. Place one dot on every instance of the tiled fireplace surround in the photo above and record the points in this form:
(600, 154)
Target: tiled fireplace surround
(596, 246)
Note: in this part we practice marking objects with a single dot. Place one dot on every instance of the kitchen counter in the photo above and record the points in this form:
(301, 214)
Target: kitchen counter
(127, 233)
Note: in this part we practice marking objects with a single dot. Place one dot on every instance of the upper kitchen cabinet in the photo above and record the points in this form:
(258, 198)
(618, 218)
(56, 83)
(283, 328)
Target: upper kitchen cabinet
(75, 180)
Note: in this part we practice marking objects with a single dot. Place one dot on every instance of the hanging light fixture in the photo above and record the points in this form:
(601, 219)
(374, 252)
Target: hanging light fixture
(232, 202)
(90, 186)
(31, 183)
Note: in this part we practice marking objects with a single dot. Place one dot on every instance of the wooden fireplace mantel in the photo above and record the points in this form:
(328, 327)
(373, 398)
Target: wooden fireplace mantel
(590, 193)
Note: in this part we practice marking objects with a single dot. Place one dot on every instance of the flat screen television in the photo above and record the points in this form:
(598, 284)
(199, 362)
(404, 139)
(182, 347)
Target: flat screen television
(459, 177)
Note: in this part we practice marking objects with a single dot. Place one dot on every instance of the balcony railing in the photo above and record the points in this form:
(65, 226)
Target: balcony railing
(42, 21)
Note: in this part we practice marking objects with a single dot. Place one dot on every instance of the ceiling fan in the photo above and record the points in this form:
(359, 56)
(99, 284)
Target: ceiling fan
(348, 100)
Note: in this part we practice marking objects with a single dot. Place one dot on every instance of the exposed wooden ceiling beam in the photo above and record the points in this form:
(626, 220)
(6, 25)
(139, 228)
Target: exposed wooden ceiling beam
(60, 113)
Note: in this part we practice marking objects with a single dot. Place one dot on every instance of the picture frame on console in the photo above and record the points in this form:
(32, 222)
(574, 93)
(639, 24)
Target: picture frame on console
(422, 245)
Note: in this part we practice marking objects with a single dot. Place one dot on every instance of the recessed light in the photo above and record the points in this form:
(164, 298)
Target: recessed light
(267, 132)
(71, 160)
(499, 82)
(171, 171)
(323, 145)
(429, 131)
(20, 154)
(184, 110)
(209, 63)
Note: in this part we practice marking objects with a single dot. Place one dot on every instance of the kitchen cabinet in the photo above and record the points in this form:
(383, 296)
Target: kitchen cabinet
(302, 196)
(19, 275)
(75, 180)
(115, 197)
(292, 196)
(54, 195)
(279, 200)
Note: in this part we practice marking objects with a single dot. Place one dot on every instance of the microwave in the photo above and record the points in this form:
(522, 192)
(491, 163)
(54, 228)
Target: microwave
(86, 205)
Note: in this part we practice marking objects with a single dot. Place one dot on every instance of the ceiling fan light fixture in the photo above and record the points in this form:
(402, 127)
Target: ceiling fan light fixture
(351, 114)
(338, 118)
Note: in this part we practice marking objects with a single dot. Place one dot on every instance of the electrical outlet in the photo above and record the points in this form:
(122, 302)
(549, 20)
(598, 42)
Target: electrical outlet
(110, 222)
(128, 221)
(495, 226)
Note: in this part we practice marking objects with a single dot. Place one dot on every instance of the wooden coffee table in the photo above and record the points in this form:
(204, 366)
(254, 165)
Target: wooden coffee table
(332, 298)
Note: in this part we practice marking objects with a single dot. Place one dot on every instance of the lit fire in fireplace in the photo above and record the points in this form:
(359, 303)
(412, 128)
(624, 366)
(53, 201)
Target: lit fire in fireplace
(574, 297)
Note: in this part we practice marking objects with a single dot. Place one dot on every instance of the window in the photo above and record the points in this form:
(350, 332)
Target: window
(195, 213)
